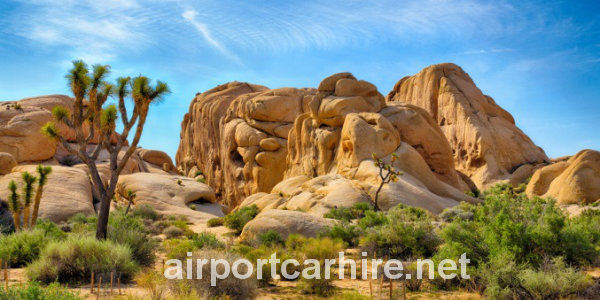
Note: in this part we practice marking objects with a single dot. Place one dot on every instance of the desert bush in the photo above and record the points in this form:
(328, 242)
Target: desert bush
(215, 222)
(554, 280)
(271, 238)
(232, 287)
(350, 295)
(373, 219)
(238, 219)
(23, 247)
(178, 248)
(145, 212)
(344, 231)
(153, 282)
(319, 249)
(173, 232)
(33, 291)
(464, 211)
(409, 233)
(356, 211)
(73, 260)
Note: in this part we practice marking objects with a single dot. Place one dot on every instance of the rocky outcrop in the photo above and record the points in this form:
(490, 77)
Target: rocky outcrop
(168, 194)
(576, 180)
(67, 192)
(311, 149)
(285, 222)
(21, 136)
(487, 145)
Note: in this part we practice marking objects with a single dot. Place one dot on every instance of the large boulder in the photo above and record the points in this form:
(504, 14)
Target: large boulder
(21, 136)
(285, 222)
(67, 192)
(487, 145)
(7, 163)
(576, 180)
(169, 194)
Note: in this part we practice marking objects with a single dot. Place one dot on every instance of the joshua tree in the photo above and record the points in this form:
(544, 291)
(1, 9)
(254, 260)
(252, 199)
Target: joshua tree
(387, 173)
(130, 196)
(14, 204)
(91, 91)
(43, 172)
(28, 181)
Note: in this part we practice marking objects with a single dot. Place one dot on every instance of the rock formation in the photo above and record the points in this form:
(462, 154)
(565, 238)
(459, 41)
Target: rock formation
(576, 180)
(487, 146)
(311, 149)
(68, 191)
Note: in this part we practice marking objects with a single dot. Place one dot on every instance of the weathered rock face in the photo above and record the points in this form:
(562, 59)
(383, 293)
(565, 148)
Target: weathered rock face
(7, 162)
(21, 136)
(486, 144)
(168, 194)
(67, 192)
(285, 222)
(305, 149)
(576, 180)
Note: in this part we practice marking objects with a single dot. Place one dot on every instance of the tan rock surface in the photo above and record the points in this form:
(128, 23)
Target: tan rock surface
(285, 222)
(168, 194)
(330, 133)
(21, 136)
(7, 163)
(67, 192)
(487, 144)
(576, 180)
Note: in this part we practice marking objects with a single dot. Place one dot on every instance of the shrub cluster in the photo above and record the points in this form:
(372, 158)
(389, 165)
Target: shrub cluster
(33, 291)
(238, 219)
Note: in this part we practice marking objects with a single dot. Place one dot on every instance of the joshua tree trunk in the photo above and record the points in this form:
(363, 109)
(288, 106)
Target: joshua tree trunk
(17, 221)
(26, 217)
(36, 205)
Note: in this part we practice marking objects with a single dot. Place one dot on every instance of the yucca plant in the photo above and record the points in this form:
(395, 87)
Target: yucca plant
(130, 196)
(387, 173)
(28, 182)
(92, 89)
(14, 204)
(43, 172)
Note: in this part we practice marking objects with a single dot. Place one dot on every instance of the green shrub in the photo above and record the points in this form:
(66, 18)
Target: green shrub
(464, 211)
(178, 248)
(319, 249)
(271, 238)
(373, 219)
(344, 231)
(207, 240)
(23, 247)
(131, 232)
(238, 219)
(409, 233)
(215, 222)
(173, 232)
(145, 212)
(356, 211)
(555, 280)
(73, 260)
(33, 291)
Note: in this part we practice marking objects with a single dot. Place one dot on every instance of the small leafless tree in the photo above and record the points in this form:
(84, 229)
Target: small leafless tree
(387, 173)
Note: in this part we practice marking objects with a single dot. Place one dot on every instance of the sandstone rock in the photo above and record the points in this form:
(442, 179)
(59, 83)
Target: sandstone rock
(7, 163)
(168, 194)
(157, 158)
(486, 143)
(67, 192)
(285, 222)
(575, 181)
(21, 136)
(312, 165)
(48, 102)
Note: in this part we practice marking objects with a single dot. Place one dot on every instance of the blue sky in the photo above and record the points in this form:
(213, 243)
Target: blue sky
(539, 60)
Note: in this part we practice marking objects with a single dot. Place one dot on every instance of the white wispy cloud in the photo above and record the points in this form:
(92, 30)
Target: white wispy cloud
(190, 16)
(486, 51)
